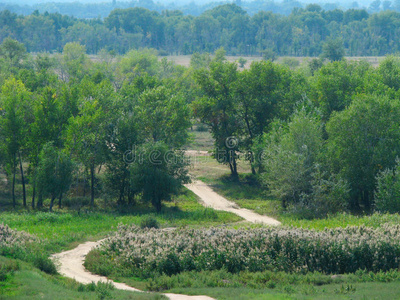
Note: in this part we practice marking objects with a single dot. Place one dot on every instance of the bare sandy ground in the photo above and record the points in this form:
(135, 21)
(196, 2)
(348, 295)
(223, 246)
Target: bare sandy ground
(216, 201)
(70, 264)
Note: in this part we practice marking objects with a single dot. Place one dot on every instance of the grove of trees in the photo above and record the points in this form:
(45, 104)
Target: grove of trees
(321, 138)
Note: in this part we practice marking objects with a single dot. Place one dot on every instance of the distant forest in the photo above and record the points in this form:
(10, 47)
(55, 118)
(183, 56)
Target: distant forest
(103, 9)
(301, 33)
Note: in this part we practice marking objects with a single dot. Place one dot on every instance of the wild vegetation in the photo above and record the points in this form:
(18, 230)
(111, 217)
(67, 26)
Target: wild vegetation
(87, 144)
(241, 30)
(136, 252)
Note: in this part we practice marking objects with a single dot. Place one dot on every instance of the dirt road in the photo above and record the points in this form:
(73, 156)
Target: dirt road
(216, 201)
(70, 264)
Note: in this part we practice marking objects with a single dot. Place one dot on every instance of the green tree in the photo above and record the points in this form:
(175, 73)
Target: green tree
(387, 193)
(335, 84)
(164, 116)
(217, 109)
(333, 50)
(14, 102)
(54, 173)
(74, 62)
(158, 172)
(291, 152)
(362, 140)
(85, 139)
(13, 52)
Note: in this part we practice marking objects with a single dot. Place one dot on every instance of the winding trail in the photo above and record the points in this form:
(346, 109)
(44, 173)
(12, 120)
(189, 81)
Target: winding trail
(70, 263)
(211, 199)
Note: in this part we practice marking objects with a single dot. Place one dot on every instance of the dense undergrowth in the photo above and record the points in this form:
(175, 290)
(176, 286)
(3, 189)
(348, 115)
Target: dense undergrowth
(145, 252)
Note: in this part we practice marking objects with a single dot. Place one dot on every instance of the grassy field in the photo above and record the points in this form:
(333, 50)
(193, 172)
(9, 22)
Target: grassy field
(64, 229)
(184, 60)
(26, 282)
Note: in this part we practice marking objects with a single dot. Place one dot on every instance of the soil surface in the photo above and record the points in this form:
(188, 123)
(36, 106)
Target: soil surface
(216, 201)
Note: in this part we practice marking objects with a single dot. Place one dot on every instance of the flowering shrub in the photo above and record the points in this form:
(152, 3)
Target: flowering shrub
(17, 244)
(340, 250)
(12, 241)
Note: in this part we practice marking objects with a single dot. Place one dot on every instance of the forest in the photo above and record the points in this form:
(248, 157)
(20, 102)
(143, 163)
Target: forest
(303, 32)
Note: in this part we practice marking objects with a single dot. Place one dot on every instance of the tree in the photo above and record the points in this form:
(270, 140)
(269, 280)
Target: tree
(13, 52)
(54, 174)
(85, 138)
(362, 140)
(74, 62)
(290, 154)
(217, 109)
(50, 117)
(13, 127)
(335, 84)
(258, 92)
(164, 116)
(158, 172)
(333, 50)
(387, 193)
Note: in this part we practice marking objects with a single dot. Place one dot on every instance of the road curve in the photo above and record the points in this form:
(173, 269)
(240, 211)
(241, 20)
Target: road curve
(70, 264)
(216, 201)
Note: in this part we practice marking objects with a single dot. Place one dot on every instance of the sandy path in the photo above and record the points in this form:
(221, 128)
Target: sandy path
(216, 201)
(70, 264)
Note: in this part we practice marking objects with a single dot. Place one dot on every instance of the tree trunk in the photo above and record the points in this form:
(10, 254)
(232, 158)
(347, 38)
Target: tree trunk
(33, 195)
(13, 187)
(131, 197)
(84, 183)
(51, 203)
(92, 186)
(59, 200)
(40, 200)
(22, 179)
(157, 204)
(121, 192)
(233, 164)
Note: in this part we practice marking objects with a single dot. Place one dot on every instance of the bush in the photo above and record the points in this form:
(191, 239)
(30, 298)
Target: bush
(149, 222)
(76, 202)
(291, 62)
(387, 194)
(332, 251)
(7, 267)
(269, 54)
(329, 195)
(44, 263)
(98, 264)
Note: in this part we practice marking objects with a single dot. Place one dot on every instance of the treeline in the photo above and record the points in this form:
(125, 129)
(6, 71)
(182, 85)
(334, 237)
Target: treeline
(322, 137)
(302, 33)
(103, 9)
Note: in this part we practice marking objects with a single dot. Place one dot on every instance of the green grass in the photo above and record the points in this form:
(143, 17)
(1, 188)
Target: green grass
(30, 283)
(362, 291)
(270, 285)
(276, 285)
(65, 229)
